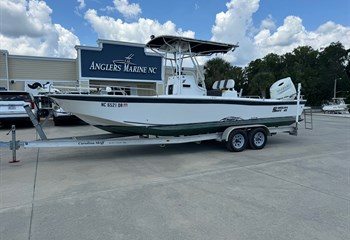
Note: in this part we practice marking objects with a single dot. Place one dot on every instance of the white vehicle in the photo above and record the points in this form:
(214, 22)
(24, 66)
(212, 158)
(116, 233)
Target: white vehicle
(60, 116)
(12, 106)
(46, 105)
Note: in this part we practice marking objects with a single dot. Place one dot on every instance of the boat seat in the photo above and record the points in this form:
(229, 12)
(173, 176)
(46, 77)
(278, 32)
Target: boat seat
(224, 84)
(226, 87)
(230, 93)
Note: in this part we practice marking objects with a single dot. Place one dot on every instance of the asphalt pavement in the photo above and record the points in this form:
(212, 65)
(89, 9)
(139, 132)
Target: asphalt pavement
(297, 187)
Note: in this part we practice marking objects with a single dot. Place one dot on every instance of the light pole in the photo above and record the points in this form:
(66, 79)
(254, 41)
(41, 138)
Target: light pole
(335, 87)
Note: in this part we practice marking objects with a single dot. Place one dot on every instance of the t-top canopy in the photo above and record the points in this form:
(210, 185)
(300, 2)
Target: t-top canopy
(200, 47)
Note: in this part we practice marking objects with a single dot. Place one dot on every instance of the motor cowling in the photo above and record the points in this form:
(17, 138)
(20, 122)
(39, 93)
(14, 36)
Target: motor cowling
(283, 89)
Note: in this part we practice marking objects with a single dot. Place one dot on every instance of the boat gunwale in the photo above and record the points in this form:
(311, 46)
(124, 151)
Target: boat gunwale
(174, 100)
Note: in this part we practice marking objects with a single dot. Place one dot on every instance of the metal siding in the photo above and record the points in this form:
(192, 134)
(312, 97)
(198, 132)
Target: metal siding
(41, 69)
(143, 92)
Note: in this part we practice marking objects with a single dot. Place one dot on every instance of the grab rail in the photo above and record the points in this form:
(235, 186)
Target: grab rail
(103, 90)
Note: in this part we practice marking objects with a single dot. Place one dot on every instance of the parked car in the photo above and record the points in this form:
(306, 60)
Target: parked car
(12, 106)
(61, 117)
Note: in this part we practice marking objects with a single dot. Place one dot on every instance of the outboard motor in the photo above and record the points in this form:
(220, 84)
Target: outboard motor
(283, 89)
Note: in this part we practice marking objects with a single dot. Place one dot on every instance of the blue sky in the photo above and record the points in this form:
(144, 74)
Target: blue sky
(54, 27)
(199, 15)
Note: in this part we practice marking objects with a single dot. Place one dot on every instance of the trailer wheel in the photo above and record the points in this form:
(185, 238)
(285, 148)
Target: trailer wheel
(257, 138)
(237, 141)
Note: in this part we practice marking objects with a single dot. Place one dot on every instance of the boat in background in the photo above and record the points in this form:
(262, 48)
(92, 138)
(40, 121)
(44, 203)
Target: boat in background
(186, 108)
(335, 106)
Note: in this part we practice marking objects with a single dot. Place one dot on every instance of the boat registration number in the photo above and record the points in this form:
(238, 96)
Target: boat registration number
(113, 105)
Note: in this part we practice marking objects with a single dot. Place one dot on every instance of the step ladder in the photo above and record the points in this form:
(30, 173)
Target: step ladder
(308, 118)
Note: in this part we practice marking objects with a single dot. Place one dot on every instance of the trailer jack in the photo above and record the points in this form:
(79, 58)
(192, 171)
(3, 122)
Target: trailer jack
(14, 144)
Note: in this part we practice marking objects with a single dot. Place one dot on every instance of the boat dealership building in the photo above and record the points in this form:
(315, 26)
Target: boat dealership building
(111, 63)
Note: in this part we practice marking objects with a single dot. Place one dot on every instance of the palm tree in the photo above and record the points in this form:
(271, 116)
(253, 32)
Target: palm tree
(261, 81)
(216, 69)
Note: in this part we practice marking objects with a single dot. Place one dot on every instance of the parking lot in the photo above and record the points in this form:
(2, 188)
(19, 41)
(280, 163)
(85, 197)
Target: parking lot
(294, 188)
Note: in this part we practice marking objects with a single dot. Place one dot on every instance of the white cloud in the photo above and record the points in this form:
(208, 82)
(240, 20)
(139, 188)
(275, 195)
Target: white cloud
(65, 42)
(28, 30)
(330, 32)
(235, 22)
(80, 7)
(16, 20)
(138, 31)
(268, 23)
(81, 4)
(293, 34)
(107, 9)
(288, 34)
(196, 6)
(129, 11)
(236, 25)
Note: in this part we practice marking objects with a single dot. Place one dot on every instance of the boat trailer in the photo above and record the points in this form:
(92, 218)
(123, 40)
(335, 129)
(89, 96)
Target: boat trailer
(236, 138)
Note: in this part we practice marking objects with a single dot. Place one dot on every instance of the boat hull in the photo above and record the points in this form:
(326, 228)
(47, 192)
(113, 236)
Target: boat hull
(171, 116)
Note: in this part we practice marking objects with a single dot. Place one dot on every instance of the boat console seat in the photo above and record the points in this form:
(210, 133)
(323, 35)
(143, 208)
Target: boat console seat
(226, 86)
(230, 93)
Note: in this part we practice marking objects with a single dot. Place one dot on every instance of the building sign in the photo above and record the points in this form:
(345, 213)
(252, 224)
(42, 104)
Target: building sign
(120, 62)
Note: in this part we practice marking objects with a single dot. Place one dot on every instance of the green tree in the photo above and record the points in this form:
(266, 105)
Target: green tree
(316, 70)
(237, 74)
(216, 69)
(261, 74)
(333, 61)
(272, 63)
(262, 81)
(302, 66)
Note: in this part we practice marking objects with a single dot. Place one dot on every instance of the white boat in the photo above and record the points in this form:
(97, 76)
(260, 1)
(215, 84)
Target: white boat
(186, 108)
(336, 106)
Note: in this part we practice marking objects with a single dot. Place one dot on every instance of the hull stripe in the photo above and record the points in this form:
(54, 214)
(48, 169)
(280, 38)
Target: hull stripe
(191, 129)
(158, 100)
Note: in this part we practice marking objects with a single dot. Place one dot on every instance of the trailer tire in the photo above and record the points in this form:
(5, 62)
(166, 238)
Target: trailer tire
(257, 138)
(56, 121)
(237, 141)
